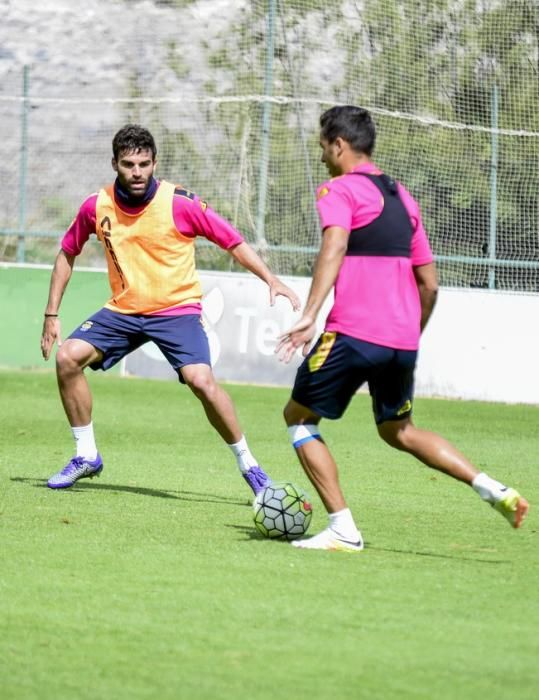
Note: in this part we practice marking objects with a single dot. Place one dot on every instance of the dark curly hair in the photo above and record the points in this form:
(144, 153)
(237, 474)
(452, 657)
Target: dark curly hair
(133, 138)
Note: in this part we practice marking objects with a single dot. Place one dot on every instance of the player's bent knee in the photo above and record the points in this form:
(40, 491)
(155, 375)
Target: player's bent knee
(202, 383)
(296, 414)
(288, 414)
(394, 435)
(71, 356)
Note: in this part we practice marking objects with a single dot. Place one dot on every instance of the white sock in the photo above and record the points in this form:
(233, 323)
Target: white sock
(243, 455)
(85, 441)
(489, 489)
(342, 523)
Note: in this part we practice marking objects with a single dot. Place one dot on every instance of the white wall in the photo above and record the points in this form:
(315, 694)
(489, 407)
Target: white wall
(478, 345)
(481, 345)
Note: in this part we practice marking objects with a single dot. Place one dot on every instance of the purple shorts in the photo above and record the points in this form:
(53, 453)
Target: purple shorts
(181, 339)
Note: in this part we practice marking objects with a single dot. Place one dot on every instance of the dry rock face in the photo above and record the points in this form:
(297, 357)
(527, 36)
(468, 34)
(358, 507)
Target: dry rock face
(82, 58)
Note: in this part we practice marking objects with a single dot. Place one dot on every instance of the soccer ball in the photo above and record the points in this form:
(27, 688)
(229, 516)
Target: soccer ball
(282, 511)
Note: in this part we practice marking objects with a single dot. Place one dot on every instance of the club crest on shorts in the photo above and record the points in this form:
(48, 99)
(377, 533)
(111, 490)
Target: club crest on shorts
(86, 325)
(405, 408)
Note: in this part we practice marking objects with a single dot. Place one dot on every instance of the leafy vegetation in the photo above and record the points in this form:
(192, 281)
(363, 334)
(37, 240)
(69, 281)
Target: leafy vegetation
(430, 72)
(438, 75)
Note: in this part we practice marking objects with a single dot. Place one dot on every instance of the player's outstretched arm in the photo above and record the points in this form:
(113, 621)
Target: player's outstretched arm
(61, 274)
(328, 263)
(248, 258)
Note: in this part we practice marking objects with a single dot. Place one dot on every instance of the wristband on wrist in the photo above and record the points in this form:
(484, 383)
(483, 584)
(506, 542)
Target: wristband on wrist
(50, 315)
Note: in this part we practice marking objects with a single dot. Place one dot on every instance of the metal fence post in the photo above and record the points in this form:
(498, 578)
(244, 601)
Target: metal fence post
(266, 127)
(21, 239)
(493, 188)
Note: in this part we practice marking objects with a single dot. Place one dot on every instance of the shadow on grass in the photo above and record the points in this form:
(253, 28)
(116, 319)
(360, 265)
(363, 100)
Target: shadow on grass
(253, 534)
(436, 555)
(250, 533)
(140, 491)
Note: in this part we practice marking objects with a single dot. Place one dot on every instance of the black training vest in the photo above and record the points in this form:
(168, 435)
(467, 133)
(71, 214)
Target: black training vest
(390, 234)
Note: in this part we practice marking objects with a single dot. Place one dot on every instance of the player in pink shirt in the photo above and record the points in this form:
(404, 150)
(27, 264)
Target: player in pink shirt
(376, 255)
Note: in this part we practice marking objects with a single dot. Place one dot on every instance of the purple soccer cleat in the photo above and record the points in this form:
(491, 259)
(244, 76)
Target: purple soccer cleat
(78, 468)
(257, 479)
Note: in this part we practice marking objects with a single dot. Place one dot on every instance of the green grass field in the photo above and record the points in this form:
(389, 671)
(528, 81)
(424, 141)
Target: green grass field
(151, 581)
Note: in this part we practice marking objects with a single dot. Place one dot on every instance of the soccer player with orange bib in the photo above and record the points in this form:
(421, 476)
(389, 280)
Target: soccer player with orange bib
(376, 255)
(148, 230)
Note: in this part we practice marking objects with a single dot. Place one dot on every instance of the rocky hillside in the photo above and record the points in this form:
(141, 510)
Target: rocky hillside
(94, 47)
(82, 57)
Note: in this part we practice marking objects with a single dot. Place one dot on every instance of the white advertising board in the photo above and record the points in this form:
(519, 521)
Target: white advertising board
(242, 330)
(478, 344)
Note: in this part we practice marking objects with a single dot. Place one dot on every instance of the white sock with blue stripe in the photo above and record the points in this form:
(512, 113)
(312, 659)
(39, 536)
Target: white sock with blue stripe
(300, 434)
